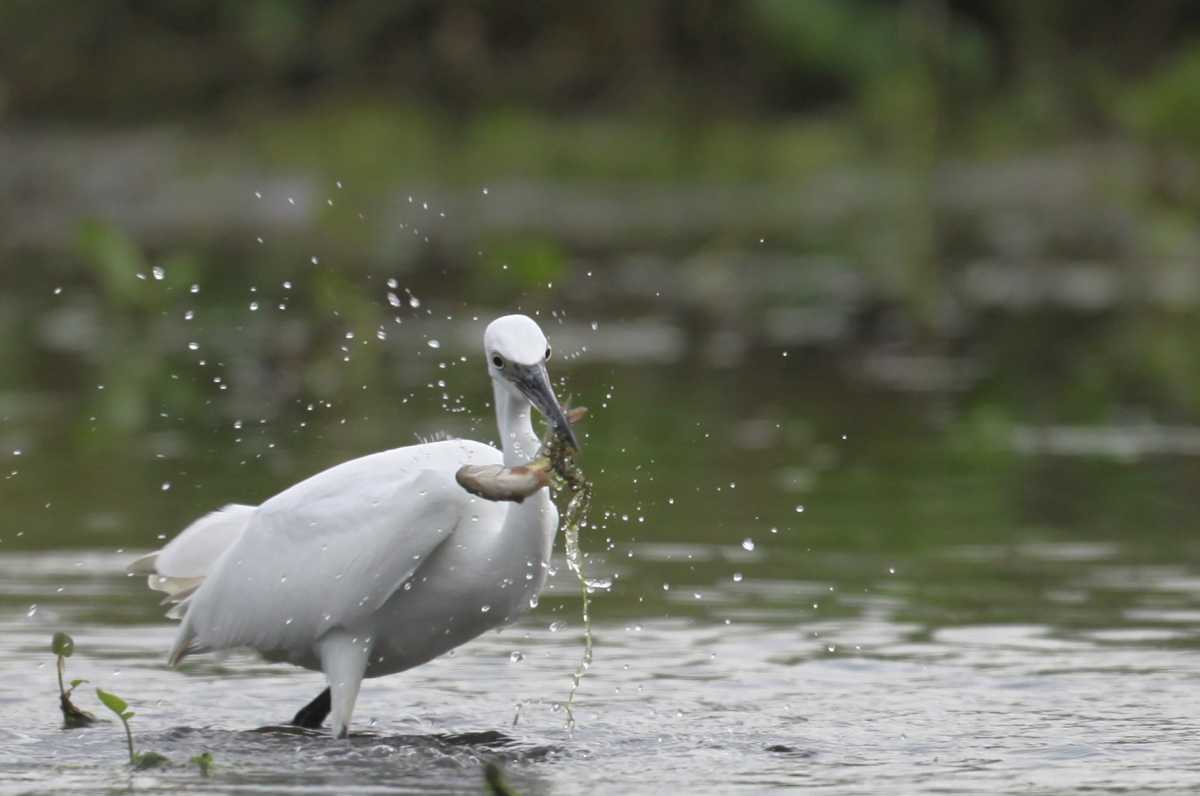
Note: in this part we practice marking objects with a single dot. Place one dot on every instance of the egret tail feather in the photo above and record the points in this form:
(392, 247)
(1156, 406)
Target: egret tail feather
(185, 645)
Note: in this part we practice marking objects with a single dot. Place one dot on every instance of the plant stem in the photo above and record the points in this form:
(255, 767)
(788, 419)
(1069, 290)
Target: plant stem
(129, 738)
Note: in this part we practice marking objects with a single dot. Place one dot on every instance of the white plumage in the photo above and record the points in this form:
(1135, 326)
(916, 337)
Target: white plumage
(378, 564)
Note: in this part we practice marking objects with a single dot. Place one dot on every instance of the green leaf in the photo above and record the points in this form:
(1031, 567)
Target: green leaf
(62, 644)
(128, 715)
(495, 781)
(204, 761)
(145, 760)
(113, 702)
(77, 683)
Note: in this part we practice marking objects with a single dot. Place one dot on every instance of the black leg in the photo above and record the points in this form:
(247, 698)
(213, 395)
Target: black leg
(312, 715)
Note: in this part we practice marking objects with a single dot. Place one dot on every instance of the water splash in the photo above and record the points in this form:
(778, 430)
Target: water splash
(561, 454)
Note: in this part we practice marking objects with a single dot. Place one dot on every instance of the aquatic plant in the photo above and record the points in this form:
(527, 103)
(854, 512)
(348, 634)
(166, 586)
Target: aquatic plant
(64, 646)
(204, 761)
(495, 781)
(139, 760)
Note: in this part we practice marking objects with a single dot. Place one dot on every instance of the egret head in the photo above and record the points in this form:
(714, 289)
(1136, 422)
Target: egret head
(516, 352)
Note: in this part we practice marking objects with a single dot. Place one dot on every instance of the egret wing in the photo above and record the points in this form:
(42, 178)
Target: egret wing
(180, 567)
(330, 550)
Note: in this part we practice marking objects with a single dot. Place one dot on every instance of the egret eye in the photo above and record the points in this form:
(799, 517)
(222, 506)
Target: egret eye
(497, 360)
(547, 352)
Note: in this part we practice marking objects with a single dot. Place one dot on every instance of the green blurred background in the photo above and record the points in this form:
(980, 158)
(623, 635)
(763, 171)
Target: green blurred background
(849, 274)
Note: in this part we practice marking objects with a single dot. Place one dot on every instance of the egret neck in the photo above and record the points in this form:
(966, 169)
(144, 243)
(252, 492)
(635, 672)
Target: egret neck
(514, 417)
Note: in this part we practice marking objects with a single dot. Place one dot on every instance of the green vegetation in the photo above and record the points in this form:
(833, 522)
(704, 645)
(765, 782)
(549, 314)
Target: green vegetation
(139, 760)
(621, 90)
(63, 647)
(494, 778)
(202, 761)
(119, 707)
(1007, 187)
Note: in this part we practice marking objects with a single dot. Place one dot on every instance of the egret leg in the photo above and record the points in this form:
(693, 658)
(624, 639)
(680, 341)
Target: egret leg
(344, 660)
(313, 715)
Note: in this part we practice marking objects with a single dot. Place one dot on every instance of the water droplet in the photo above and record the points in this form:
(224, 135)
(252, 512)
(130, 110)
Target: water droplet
(799, 508)
(283, 579)
(393, 299)
(194, 346)
(434, 344)
(253, 306)
(485, 608)
(737, 577)
(533, 601)
(393, 284)
(195, 288)
(413, 301)
(381, 334)
(516, 657)
(158, 272)
(557, 626)
(187, 316)
(747, 544)
(166, 485)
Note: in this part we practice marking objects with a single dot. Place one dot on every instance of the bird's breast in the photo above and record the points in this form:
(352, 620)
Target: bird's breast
(482, 577)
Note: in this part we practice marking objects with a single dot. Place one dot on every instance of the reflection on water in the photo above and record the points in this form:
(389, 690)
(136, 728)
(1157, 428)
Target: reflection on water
(1125, 443)
(863, 535)
(989, 669)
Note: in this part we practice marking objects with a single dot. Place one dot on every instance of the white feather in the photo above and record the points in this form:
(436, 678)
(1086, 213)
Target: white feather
(353, 535)
(180, 567)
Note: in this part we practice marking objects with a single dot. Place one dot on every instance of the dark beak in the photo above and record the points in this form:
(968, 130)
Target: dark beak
(534, 384)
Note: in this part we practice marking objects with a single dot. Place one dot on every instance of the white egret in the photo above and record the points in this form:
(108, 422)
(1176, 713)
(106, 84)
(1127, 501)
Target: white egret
(382, 563)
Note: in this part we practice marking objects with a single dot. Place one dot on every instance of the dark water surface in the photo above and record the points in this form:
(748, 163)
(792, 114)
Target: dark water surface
(849, 567)
(1044, 668)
